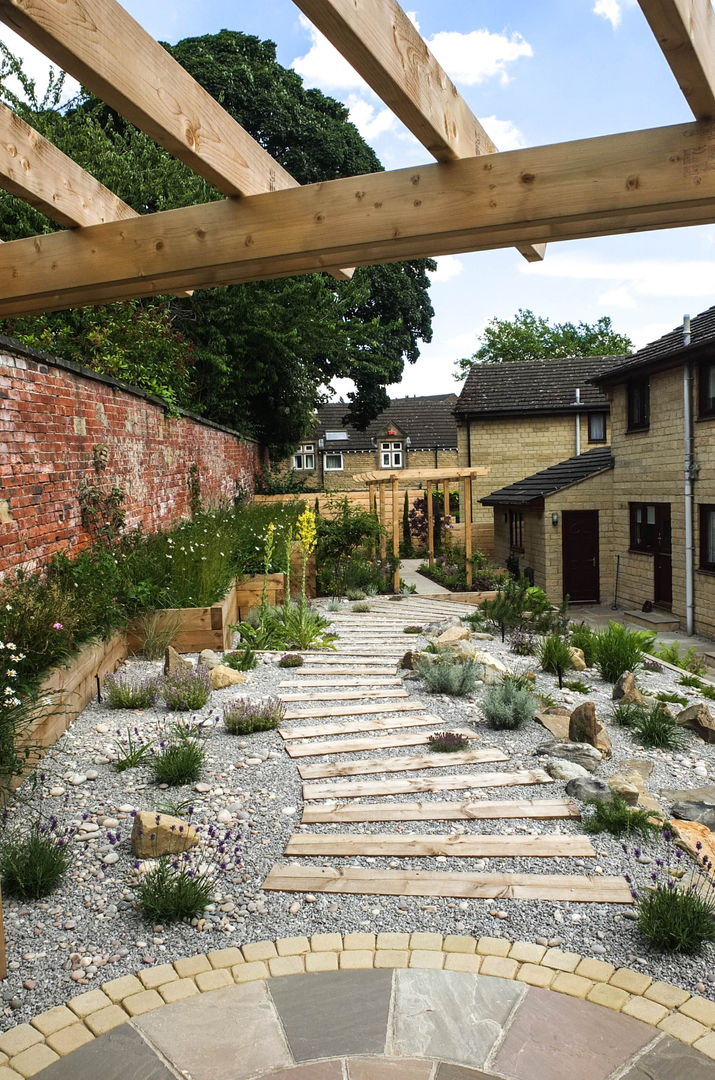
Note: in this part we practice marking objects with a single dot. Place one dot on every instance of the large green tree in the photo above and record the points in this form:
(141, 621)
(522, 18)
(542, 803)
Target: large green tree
(532, 337)
(258, 356)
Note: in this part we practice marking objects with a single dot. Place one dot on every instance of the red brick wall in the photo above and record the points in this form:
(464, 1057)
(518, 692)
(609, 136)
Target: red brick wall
(53, 414)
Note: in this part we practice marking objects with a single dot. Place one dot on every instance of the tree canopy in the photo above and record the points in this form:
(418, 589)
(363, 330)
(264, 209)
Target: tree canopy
(532, 337)
(252, 356)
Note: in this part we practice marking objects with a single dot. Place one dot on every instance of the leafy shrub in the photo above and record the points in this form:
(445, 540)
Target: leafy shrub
(554, 655)
(673, 918)
(186, 689)
(584, 638)
(123, 692)
(361, 608)
(578, 686)
(628, 715)
(673, 699)
(32, 864)
(179, 763)
(412, 629)
(507, 705)
(690, 660)
(305, 628)
(355, 594)
(290, 659)
(132, 749)
(691, 680)
(617, 818)
(241, 659)
(619, 650)
(445, 676)
(523, 643)
(708, 692)
(244, 717)
(657, 728)
(448, 742)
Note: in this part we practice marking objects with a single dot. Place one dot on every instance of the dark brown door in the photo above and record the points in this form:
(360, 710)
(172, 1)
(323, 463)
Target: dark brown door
(662, 560)
(579, 546)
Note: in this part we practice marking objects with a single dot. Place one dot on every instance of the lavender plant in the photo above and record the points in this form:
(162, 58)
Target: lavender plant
(448, 742)
(244, 717)
(187, 688)
(124, 692)
(131, 749)
(34, 861)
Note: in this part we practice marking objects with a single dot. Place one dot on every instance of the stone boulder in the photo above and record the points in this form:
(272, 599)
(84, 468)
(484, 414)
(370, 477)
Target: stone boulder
(583, 725)
(453, 634)
(173, 661)
(625, 789)
(441, 625)
(223, 676)
(208, 659)
(556, 721)
(161, 834)
(561, 769)
(589, 787)
(493, 671)
(625, 691)
(693, 833)
(585, 755)
(702, 812)
(699, 719)
(578, 660)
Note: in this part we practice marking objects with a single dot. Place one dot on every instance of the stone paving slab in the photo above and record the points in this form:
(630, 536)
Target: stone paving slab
(121, 1055)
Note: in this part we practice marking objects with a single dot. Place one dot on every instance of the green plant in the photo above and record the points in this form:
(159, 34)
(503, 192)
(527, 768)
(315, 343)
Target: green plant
(361, 607)
(412, 629)
(657, 728)
(508, 610)
(241, 659)
(355, 594)
(554, 654)
(289, 660)
(397, 596)
(100, 507)
(19, 710)
(547, 701)
(346, 537)
(444, 676)
(334, 604)
(674, 918)
(186, 689)
(508, 705)
(408, 548)
(617, 817)
(131, 750)
(522, 642)
(578, 686)
(619, 650)
(124, 692)
(243, 717)
(691, 680)
(193, 482)
(584, 638)
(305, 628)
(405, 590)
(708, 692)
(448, 742)
(157, 631)
(179, 763)
(674, 699)
(33, 863)
(689, 660)
(175, 807)
(174, 890)
(627, 715)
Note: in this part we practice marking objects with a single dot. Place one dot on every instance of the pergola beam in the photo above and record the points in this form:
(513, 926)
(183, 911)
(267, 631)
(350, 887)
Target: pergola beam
(381, 43)
(618, 183)
(685, 31)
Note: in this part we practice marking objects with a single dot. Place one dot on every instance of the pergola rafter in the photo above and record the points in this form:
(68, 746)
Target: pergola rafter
(685, 31)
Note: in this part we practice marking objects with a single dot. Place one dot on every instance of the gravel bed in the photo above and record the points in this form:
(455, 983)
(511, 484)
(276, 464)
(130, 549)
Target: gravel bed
(89, 930)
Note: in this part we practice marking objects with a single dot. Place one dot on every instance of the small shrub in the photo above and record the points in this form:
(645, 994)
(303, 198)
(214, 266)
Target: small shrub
(34, 863)
(132, 749)
(554, 655)
(691, 680)
(179, 763)
(448, 742)
(690, 660)
(244, 717)
(619, 650)
(584, 638)
(241, 659)
(412, 629)
(124, 692)
(547, 701)
(361, 608)
(355, 594)
(578, 686)
(334, 605)
(290, 659)
(708, 692)
(657, 728)
(157, 632)
(405, 590)
(673, 918)
(444, 676)
(523, 643)
(173, 890)
(186, 689)
(673, 699)
(617, 818)
(628, 715)
(508, 705)
(396, 596)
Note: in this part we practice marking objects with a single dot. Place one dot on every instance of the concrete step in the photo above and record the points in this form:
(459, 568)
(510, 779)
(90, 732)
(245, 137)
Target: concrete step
(661, 621)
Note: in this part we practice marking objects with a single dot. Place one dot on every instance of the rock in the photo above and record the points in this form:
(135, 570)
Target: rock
(57, 791)
(623, 788)
(560, 769)
(699, 719)
(161, 834)
(441, 625)
(407, 662)
(453, 634)
(589, 787)
(603, 743)
(642, 766)
(583, 725)
(695, 811)
(223, 676)
(583, 754)
(174, 662)
(224, 816)
(111, 858)
(578, 662)
(706, 794)
(76, 779)
(625, 692)
(556, 723)
(208, 659)
(692, 833)
(493, 671)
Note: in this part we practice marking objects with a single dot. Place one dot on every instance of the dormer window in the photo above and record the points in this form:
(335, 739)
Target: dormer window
(391, 454)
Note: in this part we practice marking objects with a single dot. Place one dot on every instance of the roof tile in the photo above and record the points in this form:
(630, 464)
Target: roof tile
(534, 386)
(555, 478)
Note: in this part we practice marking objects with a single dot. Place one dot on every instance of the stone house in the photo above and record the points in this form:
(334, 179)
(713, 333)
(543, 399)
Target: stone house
(521, 418)
(412, 432)
(641, 530)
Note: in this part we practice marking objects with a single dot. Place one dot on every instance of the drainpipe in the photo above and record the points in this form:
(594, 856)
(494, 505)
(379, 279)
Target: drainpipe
(578, 422)
(689, 474)
(469, 442)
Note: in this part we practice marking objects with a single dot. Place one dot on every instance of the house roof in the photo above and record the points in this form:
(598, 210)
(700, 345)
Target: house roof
(542, 484)
(428, 421)
(665, 351)
(535, 386)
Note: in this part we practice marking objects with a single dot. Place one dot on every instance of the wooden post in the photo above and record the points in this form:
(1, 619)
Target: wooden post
(445, 496)
(383, 522)
(468, 528)
(3, 959)
(430, 524)
(396, 533)
(370, 503)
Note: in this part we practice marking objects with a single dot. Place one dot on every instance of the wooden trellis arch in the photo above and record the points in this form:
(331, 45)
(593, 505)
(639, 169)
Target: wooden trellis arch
(474, 198)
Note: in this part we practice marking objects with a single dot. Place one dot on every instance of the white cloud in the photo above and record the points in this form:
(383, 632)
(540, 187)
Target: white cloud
(619, 297)
(369, 120)
(448, 267)
(479, 55)
(629, 280)
(504, 133)
(323, 65)
(643, 335)
(35, 65)
(612, 10)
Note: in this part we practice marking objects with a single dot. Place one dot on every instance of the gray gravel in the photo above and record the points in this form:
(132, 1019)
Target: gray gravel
(89, 930)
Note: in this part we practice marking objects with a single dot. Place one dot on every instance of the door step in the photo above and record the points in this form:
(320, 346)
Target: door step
(661, 621)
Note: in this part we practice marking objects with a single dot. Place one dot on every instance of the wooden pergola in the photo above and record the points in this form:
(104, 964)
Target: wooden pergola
(474, 198)
(430, 477)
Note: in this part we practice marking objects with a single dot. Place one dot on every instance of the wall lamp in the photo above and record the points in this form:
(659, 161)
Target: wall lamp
(554, 518)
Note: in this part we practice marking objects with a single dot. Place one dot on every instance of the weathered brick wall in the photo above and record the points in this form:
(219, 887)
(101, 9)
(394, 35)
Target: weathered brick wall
(54, 414)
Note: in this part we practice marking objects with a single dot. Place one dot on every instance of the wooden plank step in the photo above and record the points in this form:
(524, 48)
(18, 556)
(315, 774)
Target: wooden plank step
(311, 671)
(486, 809)
(364, 681)
(358, 789)
(352, 880)
(351, 727)
(357, 746)
(475, 846)
(354, 710)
(407, 763)
(356, 694)
(332, 658)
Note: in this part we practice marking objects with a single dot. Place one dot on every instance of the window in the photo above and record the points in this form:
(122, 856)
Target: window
(391, 455)
(333, 462)
(650, 527)
(596, 427)
(706, 389)
(707, 537)
(639, 404)
(336, 436)
(516, 530)
(305, 456)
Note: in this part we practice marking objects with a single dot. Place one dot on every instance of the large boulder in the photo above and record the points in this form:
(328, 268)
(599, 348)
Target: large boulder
(625, 691)
(161, 834)
(583, 725)
(556, 721)
(561, 769)
(223, 676)
(493, 671)
(625, 789)
(585, 755)
(453, 634)
(699, 719)
(173, 661)
(441, 625)
(589, 787)
(703, 812)
(578, 661)
(208, 659)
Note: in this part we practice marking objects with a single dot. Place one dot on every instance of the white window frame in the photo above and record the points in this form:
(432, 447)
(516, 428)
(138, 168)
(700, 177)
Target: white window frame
(333, 468)
(391, 454)
(304, 458)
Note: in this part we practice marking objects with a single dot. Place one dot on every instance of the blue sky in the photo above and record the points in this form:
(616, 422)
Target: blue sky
(533, 73)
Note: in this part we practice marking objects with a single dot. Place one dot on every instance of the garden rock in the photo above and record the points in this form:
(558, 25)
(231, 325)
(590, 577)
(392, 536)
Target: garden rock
(208, 659)
(442, 625)
(493, 671)
(223, 676)
(407, 662)
(691, 834)
(161, 834)
(698, 718)
(585, 728)
(622, 787)
(625, 691)
(560, 769)
(578, 661)
(556, 721)
(174, 662)
(695, 811)
(589, 787)
(454, 634)
(581, 753)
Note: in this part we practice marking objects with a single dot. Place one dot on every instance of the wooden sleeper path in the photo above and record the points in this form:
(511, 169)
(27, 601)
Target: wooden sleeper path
(357, 746)
(486, 809)
(474, 846)
(406, 763)
(352, 727)
(363, 681)
(357, 789)
(354, 710)
(356, 694)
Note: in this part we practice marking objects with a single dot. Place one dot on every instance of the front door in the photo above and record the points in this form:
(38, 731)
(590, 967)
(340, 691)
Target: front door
(579, 548)
(662, 559)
